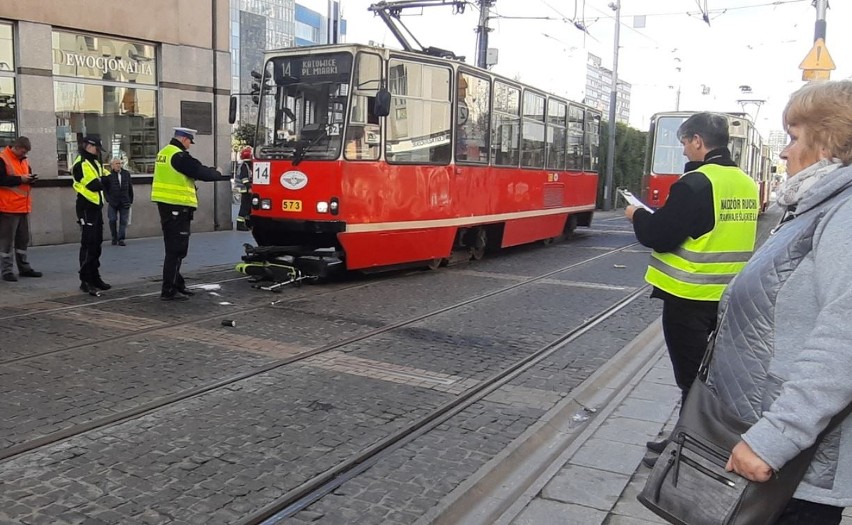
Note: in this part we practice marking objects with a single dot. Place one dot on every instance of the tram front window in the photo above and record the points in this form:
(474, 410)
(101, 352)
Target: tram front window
(304, 106)
(668, 151)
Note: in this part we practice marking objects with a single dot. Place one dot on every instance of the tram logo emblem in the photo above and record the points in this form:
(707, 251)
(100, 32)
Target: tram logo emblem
(294, 180)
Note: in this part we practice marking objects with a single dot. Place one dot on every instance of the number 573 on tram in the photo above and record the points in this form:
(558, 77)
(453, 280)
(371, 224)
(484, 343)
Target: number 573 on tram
(370, 158)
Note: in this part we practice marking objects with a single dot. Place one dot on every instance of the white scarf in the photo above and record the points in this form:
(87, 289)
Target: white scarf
(791, 192)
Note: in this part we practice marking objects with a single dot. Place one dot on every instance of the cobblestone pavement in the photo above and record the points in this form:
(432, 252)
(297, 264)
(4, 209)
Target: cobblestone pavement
(213, 458)
(414, 479)
(141, 261)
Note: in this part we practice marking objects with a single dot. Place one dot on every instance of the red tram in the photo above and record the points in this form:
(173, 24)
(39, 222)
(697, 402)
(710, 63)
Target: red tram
(664, 158)
(372, 158)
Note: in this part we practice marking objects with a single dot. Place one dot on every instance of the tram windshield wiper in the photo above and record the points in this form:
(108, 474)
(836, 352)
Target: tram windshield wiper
(303, 145)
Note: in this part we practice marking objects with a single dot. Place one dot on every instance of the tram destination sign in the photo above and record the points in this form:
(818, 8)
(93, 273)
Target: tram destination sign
(329, 67)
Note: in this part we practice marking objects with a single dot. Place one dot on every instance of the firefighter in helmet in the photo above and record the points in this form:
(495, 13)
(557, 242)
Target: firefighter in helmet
(244, 178)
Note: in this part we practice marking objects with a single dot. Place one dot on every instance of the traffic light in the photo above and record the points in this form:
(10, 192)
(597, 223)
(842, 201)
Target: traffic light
(256, 90)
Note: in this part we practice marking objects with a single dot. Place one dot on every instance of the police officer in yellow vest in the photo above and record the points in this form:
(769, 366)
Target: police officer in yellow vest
(701, 238)
(87, 171)
(173, 189)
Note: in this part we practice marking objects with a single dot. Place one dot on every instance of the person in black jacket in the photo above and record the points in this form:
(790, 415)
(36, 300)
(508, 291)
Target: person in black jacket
(175, 172)
(118, 190)
(87, 172)
(688, 213)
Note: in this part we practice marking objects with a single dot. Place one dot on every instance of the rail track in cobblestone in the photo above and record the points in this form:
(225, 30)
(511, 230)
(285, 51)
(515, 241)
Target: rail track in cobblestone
(105, 300)
(261, 304)
(164, 401)
(316, 488)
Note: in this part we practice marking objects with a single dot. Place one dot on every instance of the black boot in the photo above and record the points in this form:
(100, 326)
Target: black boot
(99, 283)
(89, 289)
(657, 446)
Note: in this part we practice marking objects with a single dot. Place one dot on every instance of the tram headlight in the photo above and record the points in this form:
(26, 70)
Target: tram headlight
(322, 207)
(255, 201)
(655, 195)
(334, 205)
(266, 204)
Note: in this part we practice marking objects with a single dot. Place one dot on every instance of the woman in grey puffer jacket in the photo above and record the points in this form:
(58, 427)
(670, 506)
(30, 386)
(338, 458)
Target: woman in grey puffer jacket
(783, 354)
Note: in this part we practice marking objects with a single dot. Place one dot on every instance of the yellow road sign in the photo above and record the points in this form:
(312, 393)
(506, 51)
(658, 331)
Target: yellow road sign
(818, 58)
(816, 74)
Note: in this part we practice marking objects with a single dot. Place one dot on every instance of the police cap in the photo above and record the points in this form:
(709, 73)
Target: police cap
(186, 132)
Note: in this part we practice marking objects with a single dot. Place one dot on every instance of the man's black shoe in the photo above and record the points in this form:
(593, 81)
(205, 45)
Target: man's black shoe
(174, 297)
(30, 273)
(114, 242)
(657, 446)
(186, 291)
(90, 289)
(9, 277)
(650, 459)
(121, 243)
(99, 283)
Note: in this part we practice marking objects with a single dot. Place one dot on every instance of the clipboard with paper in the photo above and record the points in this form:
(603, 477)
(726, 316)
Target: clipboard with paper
(633, 200)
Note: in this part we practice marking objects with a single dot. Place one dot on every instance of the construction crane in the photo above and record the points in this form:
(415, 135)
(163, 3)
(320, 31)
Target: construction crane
(390, 14)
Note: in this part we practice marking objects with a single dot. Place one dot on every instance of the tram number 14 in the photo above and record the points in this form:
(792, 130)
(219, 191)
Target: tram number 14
(290, 205)
(260, 173)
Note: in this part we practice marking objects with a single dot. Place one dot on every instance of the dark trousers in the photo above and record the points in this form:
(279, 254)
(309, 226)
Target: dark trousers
(175, 222)
(245, 203)
(800, 512)
(91, 219)
(687, 326)
(14, 235)
(119, 215)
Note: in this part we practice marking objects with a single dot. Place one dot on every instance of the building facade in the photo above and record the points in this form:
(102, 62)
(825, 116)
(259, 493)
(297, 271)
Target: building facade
(599, 89)
(83, 70)
(259, 25)
(777, 140)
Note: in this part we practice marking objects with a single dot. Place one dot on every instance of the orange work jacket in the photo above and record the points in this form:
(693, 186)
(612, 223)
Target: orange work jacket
(15, 199)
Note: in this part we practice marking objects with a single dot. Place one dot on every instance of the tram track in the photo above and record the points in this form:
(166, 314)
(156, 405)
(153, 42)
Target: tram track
(323, 484)
(108, 300)
(165, 401)
(160, 327)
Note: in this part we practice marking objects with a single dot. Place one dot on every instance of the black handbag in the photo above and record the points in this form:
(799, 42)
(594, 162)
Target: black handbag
(689, 485)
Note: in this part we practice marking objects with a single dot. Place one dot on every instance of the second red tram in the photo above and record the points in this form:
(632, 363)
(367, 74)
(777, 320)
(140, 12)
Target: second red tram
(373, 157)
(664, 160)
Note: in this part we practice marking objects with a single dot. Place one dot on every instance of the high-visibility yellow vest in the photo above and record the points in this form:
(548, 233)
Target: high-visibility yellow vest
(700, 269)
(90, 173)
(171, 186)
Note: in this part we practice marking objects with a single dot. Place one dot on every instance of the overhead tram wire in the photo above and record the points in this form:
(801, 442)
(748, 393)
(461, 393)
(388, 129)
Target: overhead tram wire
(624, 24)
(579, 24)
(561, 18)
(715, 11)
(718, 10)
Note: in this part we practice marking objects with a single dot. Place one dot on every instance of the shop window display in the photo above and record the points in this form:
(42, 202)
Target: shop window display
(107, 88)
(8, 104)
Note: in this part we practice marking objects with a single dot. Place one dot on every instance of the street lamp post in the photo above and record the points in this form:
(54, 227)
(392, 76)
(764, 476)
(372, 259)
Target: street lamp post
(679, 83)
(610, 152)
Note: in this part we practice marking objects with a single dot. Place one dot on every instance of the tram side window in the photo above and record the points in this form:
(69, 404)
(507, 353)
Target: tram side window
(574, 156)
(557, 113)
(419, 124)
(592, 142)
(363, 131)
(474, 94)
(737, 147)
(532, 145)
(505, 130)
